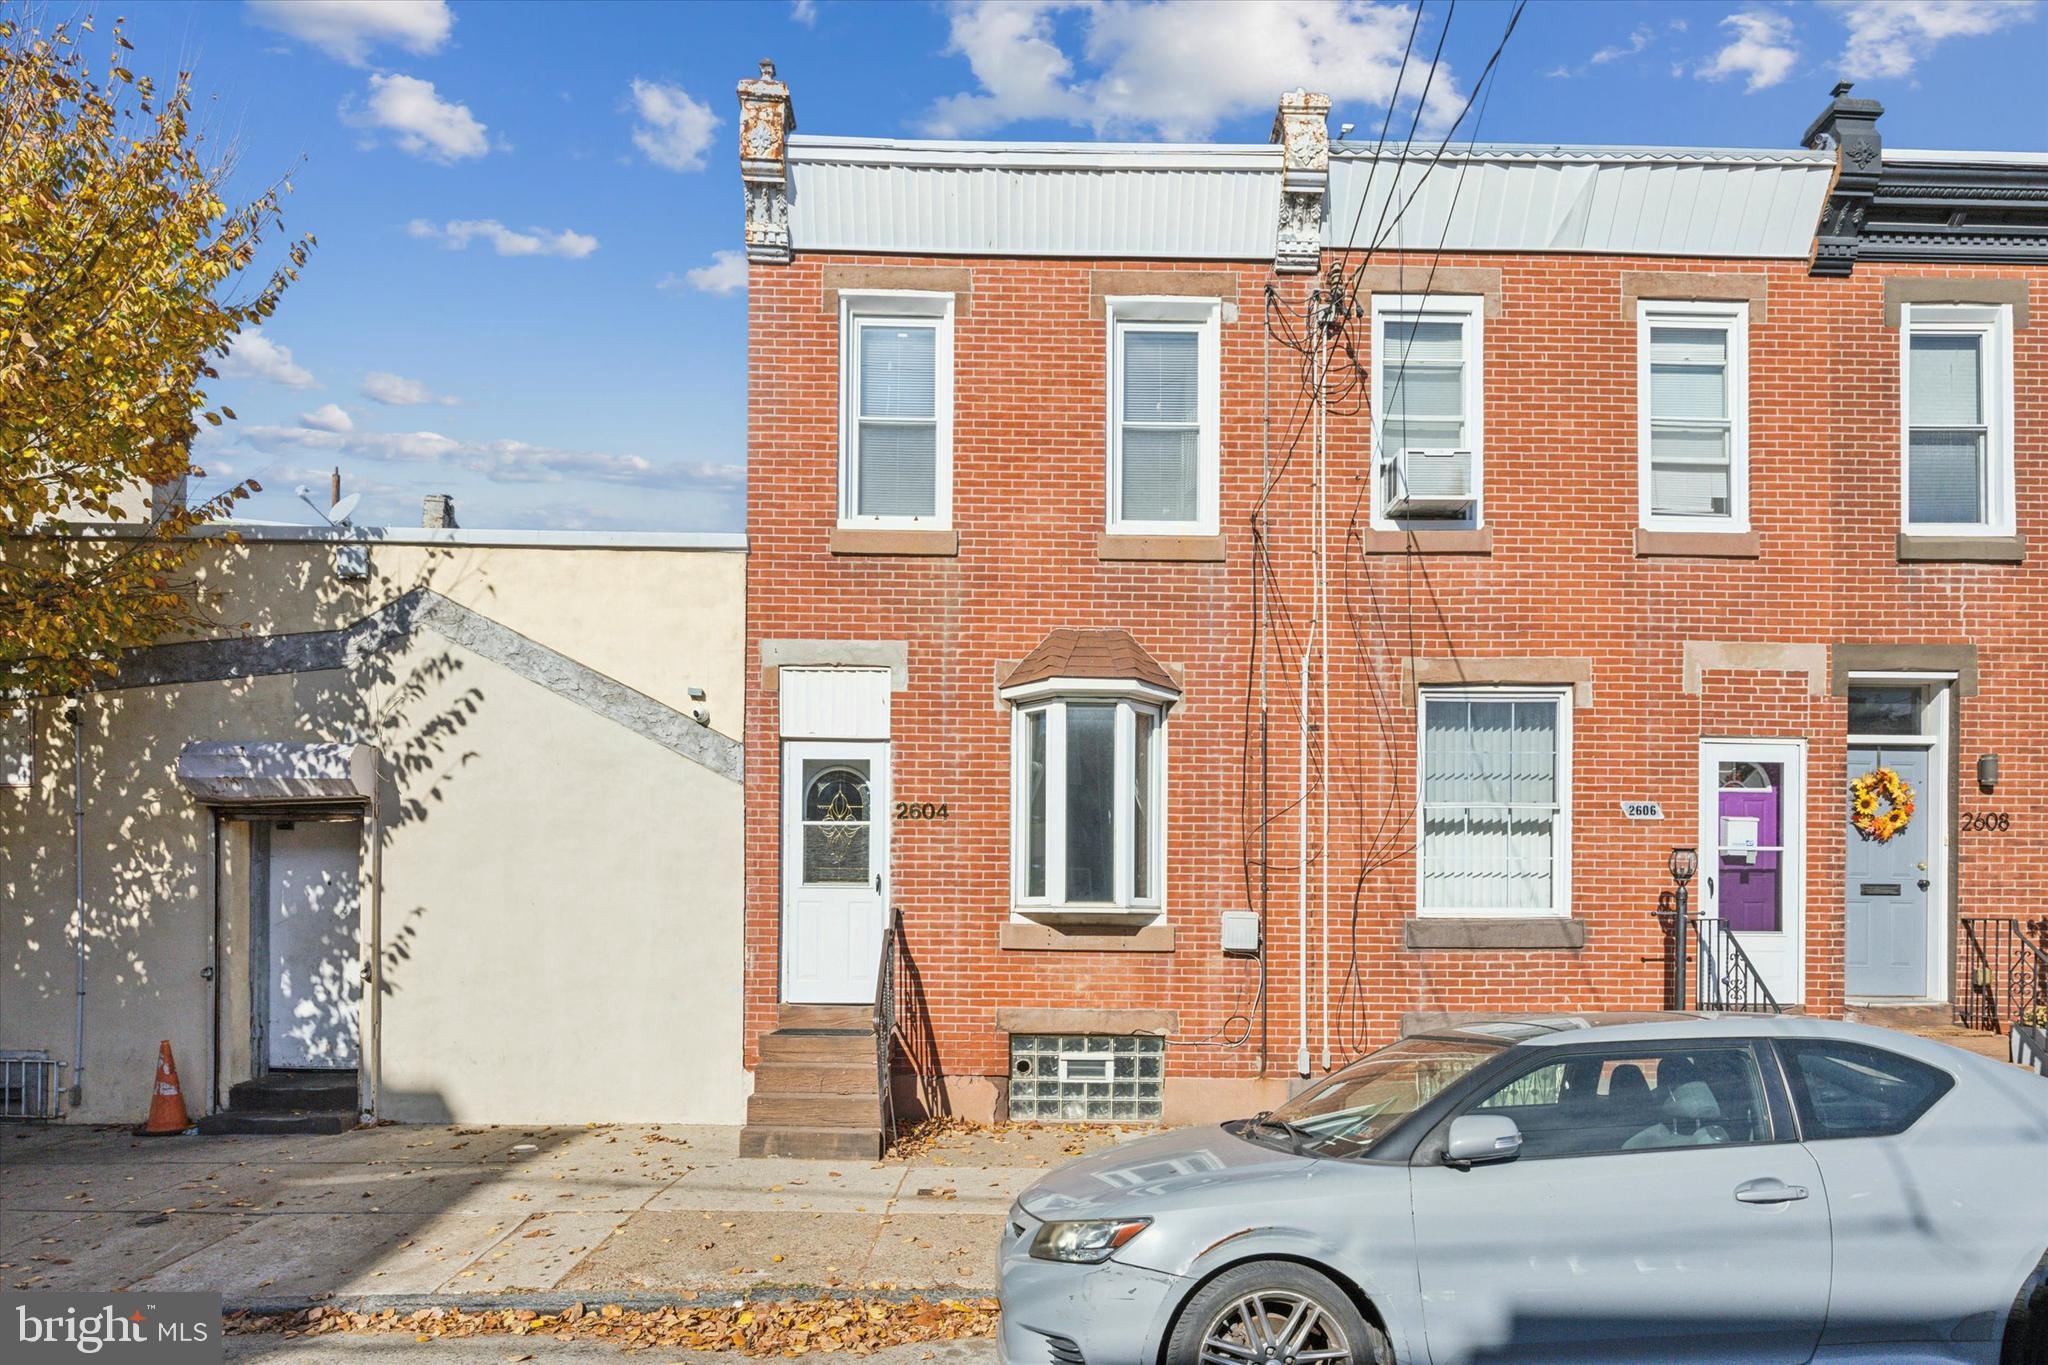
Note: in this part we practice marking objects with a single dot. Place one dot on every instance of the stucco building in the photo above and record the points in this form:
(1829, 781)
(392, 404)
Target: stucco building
(1222, 605)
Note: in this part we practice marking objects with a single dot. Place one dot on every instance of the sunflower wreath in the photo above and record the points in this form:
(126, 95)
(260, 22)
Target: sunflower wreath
(1881, 804)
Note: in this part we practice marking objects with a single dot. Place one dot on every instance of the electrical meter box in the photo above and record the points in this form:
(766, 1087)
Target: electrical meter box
(1241, 931)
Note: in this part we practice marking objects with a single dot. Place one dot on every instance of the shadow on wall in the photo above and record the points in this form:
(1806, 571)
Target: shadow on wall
(148, 848)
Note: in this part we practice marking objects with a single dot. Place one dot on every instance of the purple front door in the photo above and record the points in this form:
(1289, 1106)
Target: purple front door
(1750, 825)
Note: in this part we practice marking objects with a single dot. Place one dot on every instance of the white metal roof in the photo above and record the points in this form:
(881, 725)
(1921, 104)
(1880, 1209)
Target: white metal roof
(1221, 202)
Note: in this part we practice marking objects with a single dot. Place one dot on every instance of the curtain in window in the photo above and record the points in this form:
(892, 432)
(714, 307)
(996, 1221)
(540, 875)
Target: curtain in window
(1490, 804)
(1422, 384)
(1945, 444)
(1091, 804)
(1161, 431)
(897, 462)
(1691, 474)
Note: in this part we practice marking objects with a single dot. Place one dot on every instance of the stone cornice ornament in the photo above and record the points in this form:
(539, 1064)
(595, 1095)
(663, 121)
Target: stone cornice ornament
(1302, 130)
(766, 120)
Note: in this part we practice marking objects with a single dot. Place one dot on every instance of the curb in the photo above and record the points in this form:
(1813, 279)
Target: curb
(554, 1301)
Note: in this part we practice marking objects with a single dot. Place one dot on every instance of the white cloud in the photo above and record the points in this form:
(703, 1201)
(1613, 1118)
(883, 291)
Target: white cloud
(674, 129)
(804, 12)
(1176, 68)
(1763, 50)
(457, 236)
(328, 417)
(500, 461)
(1638, 39)
(256, 356)
(396, 391)
(349, 29)
(423, 123)
(727, 274)
(1887, 38)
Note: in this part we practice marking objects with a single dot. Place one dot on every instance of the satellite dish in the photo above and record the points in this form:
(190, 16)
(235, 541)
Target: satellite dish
(338, 514)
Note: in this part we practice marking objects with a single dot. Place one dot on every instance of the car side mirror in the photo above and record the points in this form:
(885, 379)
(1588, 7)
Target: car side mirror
(1476, 1139)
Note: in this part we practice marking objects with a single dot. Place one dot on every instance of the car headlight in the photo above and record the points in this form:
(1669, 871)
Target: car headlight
(1085, 1243)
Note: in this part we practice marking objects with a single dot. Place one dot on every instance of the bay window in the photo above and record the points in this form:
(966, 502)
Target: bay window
(1089, 787)
(1957, 413)
(1163, 415)
(1692, 385)
(896, 410)
(1495, 802)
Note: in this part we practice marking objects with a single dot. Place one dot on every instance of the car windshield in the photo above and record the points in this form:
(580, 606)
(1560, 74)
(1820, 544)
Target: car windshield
(1359, 1105)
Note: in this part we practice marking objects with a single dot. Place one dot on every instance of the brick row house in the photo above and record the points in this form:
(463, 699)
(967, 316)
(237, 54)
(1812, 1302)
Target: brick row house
(1212, 608)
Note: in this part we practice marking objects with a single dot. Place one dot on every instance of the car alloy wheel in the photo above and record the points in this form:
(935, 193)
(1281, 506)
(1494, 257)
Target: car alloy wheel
(1274, 1327)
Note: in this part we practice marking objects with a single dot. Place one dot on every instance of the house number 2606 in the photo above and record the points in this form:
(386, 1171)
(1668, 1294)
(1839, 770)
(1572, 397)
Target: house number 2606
(921, 810)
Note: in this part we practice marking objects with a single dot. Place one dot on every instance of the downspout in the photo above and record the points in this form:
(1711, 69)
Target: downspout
(76, 715)
(372, 1059)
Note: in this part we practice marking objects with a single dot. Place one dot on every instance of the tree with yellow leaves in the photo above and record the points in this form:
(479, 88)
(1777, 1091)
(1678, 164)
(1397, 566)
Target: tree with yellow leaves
(123, 272)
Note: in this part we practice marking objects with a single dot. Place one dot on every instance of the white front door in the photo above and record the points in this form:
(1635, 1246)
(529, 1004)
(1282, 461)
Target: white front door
(313, 991)
(1753, 853)
(835, 858)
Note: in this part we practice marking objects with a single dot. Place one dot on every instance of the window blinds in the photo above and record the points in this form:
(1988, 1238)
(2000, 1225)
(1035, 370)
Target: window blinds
(1946, 431)
(1691, 466)
(897, 460)
(1490, 809)
(1160, 437)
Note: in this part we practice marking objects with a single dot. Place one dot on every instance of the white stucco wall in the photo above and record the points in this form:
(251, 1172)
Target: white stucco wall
(560, 894)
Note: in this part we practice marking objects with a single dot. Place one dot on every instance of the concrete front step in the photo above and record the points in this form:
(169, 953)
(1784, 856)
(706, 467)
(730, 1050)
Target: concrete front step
(1909, 1016)
(816, 1078)
(831, 1144)
(274, 1125)
(819, 1045)
(860, 1017)
(783, 1110)
(283, 1092)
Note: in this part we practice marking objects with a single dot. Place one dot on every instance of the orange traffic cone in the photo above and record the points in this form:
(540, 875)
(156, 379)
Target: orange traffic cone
(166, 1101)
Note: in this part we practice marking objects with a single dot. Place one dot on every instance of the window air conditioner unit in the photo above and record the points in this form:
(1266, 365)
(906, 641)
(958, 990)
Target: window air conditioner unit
(1429, 482)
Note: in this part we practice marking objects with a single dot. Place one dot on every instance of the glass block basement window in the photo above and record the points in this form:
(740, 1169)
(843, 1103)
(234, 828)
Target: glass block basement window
(1085, 1077)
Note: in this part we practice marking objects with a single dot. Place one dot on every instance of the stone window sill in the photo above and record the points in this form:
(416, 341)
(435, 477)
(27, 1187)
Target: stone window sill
(1469, 542)
(863, 540)
(1962, 549)
(1087, 1021)
(1087, 938)
(1458, 934)
(1181, 549)
(1698, 544)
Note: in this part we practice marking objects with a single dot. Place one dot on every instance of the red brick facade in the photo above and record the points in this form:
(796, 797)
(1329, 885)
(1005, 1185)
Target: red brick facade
(1562, 580)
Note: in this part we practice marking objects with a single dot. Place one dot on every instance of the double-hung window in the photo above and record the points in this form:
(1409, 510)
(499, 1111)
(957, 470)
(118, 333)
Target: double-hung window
(1428, 405)
(1163, 415)
(1090, 787)
(1496, 802)
(1957, 412)
(1692, 394)
(896, 410)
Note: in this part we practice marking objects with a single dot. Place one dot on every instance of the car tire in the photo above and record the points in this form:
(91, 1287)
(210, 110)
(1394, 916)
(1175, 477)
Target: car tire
(1265, 1291)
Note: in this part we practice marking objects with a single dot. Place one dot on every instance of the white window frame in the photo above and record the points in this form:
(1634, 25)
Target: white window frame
(1149, 313)
(1469, 309)
(883, 308)
(1993, 323)
(1052, 698)
(1561, 865)
(1732, 318)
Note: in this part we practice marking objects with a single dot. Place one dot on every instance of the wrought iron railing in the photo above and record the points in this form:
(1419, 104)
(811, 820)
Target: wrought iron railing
(2004, 969)
(885, 1023)
(1724, 977)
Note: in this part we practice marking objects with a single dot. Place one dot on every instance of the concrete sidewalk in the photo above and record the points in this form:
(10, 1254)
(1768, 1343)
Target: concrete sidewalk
(431, 1214)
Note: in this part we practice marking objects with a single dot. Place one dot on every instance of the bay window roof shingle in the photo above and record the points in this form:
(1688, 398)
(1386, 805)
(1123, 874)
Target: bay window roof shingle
(1108, 653)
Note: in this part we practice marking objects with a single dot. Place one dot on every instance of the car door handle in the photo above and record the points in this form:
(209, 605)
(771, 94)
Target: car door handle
(1769, 1190)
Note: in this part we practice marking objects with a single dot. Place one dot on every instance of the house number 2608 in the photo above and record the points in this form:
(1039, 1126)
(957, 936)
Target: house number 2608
(1987, 821)
(921, 810)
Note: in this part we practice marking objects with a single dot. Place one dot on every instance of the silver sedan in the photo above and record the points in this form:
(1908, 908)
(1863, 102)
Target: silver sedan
(1658, 1188)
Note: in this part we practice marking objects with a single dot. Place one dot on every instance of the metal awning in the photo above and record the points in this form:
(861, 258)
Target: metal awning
(221, 773)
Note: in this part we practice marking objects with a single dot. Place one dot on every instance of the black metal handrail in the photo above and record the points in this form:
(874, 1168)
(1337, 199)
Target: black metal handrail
(1726, 978)
(885, 1023)
(2005, 972)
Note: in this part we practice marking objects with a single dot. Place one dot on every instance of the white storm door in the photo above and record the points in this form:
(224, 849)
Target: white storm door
(835, 858)
(314, 991)
(1753, 854)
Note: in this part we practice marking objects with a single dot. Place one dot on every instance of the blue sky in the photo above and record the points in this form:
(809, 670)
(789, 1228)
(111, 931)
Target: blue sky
(518, 295)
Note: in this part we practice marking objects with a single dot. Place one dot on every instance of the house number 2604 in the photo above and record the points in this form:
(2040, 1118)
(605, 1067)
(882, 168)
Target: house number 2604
(1987, 821)
(921, 810)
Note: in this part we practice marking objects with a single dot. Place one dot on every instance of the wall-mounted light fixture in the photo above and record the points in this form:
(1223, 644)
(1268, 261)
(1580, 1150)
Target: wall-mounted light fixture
(1987, 771)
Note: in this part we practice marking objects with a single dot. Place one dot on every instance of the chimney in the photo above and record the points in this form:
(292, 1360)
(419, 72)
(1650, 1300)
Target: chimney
(1302, 129)
(437, 512)
(766, 121)
(1848, 128)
